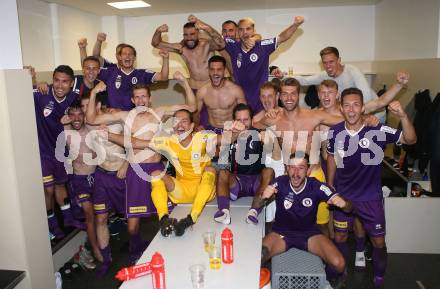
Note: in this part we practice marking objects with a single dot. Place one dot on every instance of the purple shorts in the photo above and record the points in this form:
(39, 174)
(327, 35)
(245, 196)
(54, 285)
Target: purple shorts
(216, 130)
(370, 213)
(246, 186)
(53, 171)
(298, 241)
(82, 187)
(109, 192)
(139, 201)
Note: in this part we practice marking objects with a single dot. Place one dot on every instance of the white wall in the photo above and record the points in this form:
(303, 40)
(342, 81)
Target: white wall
(351, 29)
(10, 57)
(45, 47)
(407, 29)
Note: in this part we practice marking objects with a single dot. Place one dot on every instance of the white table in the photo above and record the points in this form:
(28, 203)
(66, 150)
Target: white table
(180, 252)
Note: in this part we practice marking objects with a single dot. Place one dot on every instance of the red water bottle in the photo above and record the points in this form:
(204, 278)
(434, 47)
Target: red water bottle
(227, 246)
(133, 272)
(158, 271)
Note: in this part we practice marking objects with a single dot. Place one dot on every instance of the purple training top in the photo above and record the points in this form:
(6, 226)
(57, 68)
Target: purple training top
(251, 69)
(296, 211)
(120, 84)
(48, 113)
(359, 159)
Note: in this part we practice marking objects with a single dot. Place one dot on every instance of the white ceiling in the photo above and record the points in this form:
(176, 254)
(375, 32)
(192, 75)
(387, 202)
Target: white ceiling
(161, 7)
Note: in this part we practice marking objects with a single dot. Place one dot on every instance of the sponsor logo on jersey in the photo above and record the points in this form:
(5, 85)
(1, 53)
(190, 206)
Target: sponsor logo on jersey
(267, 42)
(48, 109)
(134, 80)
(326, 190)
(364, 143)
(196, 156)
(388, 129)
(307, 202)
(118, 82)
(287, 204)
(253, 57)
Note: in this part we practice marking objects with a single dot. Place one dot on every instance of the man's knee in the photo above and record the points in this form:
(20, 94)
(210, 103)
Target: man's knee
(101, 220)
(341, 237)
(338, 263)
(378, 242)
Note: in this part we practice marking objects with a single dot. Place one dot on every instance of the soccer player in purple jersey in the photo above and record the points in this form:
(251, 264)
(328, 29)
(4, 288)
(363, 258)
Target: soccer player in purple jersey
(120, 79)
(328, 97)
(100, 38)
(250, 58)
(297, 197)
(355, 153)
(49, 108)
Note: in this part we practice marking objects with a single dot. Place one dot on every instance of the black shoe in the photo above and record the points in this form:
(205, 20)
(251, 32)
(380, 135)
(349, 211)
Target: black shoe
(167, 225)
(182, 225)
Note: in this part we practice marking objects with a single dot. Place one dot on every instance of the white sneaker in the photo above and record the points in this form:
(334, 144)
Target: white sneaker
(359, 262)
(223, 216)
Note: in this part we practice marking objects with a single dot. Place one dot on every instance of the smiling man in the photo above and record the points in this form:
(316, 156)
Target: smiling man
(220, 95)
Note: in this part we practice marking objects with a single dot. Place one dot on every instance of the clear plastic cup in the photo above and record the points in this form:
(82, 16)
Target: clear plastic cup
(215, 257)
(197, 275)
(208, 240)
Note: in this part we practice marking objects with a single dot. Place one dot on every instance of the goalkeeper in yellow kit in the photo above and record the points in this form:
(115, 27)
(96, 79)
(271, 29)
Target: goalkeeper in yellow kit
(195, 178)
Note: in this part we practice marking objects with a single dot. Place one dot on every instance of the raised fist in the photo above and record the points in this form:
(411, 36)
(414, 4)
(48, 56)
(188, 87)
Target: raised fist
(298, 20)
(164, 53)
(82, 43)
(396, 108)
(100, 87)
(402, 77)
(101, 37)
(162, 28)
(179, 76)
(192, 18)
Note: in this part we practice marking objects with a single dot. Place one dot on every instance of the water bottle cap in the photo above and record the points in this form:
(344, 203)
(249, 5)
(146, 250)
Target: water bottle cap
(227, 233)
(156, 259)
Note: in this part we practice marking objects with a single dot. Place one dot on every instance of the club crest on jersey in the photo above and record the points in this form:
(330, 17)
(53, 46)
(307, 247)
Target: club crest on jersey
(118, 82)
(253, 57)
(307, 202)
(134, 80)
(287, 204)
(195, 156)
(48, 109)
(364, 143)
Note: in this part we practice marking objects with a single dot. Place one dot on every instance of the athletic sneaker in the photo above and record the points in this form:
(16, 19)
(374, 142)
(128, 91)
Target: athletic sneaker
(223, 216)
(83, 252)
(252, 217)
(359, 262)
(83, 261)
(182, 225)
(167, 225)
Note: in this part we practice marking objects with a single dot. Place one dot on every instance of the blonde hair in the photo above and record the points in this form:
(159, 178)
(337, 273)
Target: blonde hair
(247, 19)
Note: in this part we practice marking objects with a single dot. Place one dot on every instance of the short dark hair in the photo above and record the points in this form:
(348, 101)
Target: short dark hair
(91, 58)
(66, 69)
(299, 155)
(123, 45)
(352, 90)
(240, 107)
(329, 50)
(189, 25)
(74, 106)
(190, 115)
(290, 81)
(217, 58)
(141, 86)
(230, 22)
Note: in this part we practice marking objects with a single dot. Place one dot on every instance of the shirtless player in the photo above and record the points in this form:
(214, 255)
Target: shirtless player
(142, 163)
(195, 51)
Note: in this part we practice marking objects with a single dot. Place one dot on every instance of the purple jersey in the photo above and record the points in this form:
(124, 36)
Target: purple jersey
(296, 211)
(120, 84)
(48, 113)
(251, 69)
(80, 88)
(359, 158)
